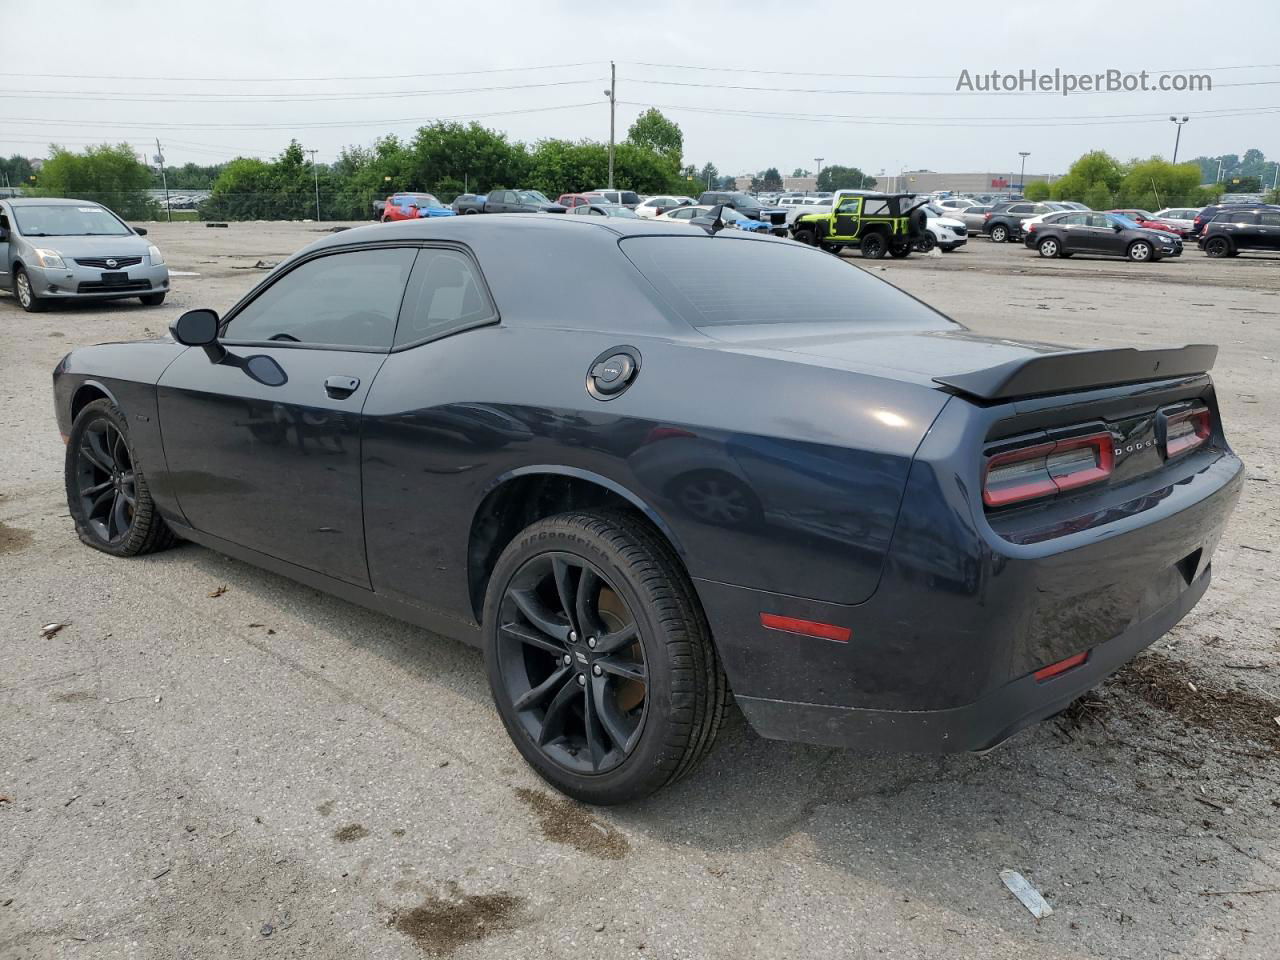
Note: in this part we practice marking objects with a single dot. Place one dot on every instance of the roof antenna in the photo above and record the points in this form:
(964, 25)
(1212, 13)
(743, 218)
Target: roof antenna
(717, 218)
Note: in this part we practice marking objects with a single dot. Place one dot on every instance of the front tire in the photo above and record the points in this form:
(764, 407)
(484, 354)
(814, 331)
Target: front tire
(152, 299)
(1139, 251)
(107, 493)
(808, 237)
(600, 660)
(926, 243)
(25, 293)
(999, 233)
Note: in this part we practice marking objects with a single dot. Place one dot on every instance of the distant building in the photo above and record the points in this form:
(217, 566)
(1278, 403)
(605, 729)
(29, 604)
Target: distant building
(800, 184)
(743, 182)
(926, 181)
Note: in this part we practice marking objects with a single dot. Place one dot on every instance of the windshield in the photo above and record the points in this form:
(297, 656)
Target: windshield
(935, 211)
(1125, 221)
(423, 200)
(1143, 215)
(619, 211)
(720, 281)
(65, 220)
(531, 196)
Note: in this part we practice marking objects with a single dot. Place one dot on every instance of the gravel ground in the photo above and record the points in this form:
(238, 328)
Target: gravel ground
(273, 772)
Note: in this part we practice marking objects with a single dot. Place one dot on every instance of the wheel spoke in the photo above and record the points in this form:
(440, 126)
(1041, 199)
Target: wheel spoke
(100, 458)
(117, 521)
(606, 710)
(99, 500)
(613, 642)
(557, 712)
(594, 729)
(566, 588)
(588, 602)
(96, 488)
(533, 638)
(626, 669)
(538, 694)
(536, 612)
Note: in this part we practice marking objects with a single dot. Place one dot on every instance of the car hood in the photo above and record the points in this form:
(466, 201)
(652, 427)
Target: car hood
(946, 221)
(912, 356)
(552, 208)
(129, 245)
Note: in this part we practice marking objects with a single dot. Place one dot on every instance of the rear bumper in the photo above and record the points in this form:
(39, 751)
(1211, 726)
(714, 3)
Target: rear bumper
(974, 726)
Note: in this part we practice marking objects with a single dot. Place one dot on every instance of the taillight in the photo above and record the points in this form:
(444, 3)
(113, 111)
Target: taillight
(1046, 469)
(986, 216)
(1031, 227)
(1184, 432)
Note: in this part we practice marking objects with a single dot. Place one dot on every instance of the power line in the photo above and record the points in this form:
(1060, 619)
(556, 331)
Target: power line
(896, 76)
(390, 76)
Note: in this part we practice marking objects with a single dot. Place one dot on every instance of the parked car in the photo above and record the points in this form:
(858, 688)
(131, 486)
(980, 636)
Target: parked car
(571, 200)
(1183, 218)
(945, 232)
(703, 216)
(602, 209)
(60, 250)
(953, 205)
(625, 198)
(1003, 221)
(1209, 213)
(468, 203)
(973, 217)
(656, 206)
(1101, 235)
(904, 566)
(411, 206)
(520, 201)
(876, 223)
(746, 205)
(1145, 218)
(1233, 231)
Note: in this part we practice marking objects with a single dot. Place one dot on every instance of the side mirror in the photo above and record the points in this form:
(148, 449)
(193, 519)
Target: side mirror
(1116, 227)
(140, 231)
(199, 328)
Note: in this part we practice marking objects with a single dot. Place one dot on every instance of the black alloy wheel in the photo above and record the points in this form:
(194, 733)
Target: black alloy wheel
(107, 493)
(1217, 247)
(600, 661)
(570, 655)
(874, 246)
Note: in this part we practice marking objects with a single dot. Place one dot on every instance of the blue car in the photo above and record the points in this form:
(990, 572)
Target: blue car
(413, 206)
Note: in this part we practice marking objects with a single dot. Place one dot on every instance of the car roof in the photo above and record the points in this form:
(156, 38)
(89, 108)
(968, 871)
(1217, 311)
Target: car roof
(50, 202)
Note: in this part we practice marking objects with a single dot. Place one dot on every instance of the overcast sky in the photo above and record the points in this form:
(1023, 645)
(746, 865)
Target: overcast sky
(873, 88)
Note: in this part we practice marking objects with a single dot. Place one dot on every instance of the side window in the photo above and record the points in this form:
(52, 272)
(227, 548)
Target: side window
(875, 208)
(1100, 220)
(445, 295)
(849, 205)
(345, 300)
(1020, 208)
(1267, 219)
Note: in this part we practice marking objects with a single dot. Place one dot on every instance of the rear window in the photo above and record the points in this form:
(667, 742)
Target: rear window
(629, 197)
(726, 281)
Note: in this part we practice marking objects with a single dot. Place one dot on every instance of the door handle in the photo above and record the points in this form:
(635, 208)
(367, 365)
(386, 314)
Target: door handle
(339, 388)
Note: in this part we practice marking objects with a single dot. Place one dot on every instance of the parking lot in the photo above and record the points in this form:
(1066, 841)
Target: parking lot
(209, 760)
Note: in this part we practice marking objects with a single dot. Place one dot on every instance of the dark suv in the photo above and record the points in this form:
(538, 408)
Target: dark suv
(748, 206)
(1004, 221)
(1209, 213)
(1245, 228)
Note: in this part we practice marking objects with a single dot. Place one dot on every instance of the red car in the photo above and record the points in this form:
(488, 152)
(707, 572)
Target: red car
(572, 200)
(413, 206)
(1147, 220)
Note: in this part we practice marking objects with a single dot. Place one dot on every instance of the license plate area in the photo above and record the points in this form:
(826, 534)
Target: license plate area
(111, 279)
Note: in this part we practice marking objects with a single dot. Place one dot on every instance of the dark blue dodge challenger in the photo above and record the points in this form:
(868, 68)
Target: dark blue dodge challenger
(642, 465)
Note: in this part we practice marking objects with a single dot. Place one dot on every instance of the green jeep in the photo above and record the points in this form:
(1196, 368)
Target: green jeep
(877, 223)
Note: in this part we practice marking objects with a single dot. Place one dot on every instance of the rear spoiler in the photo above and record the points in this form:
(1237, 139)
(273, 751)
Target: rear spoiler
(1080, 370)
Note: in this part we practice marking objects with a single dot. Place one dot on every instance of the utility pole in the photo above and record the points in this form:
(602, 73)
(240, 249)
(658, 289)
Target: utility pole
(818, 161)
(164, 180)
(1022, 177)
(612, 93)
(316, 175)
(1177, 139)
(1218, 178)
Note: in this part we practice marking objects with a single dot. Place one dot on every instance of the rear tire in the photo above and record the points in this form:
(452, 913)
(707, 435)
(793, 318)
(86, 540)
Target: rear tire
(874, 246)
(900, 251)
(102, 474)
(472, 210)
(999, 233)
(152, 299)
(1217, 247)
(25, 293)
(807, 237)
(651, 690)
(926, 242)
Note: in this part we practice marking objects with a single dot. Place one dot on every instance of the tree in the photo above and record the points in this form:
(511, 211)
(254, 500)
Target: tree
(836, 177)
(280, 189)
(655, 132)
(800, 172)
(1154, 183)
(560, 166)
(189, 176)
(483, 157)
(771, 179)
(708, 176)
(112, 176)
(1097, 172)
(16, 171)
(1245, 184)
(1036, 190)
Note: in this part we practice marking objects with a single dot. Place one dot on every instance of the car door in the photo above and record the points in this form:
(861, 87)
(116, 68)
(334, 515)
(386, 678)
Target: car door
(1099, 235)
(1242, 227)
(848, 216)
(263, 447)
(1269, 231)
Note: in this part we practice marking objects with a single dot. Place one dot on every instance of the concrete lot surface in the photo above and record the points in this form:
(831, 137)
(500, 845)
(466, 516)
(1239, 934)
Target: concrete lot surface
(263, 771)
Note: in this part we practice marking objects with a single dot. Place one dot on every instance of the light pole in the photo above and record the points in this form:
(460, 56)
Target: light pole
(1178, 137)
(1022, 176)
(818, 161)
(164, 180)
(1218, 178)
(612, 94)
(316, 175)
